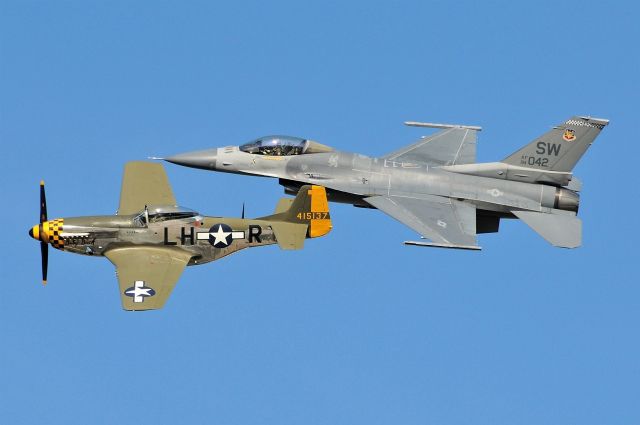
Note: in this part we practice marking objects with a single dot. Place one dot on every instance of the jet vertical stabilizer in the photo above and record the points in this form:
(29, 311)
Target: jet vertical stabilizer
(560, 148)
(549, 159)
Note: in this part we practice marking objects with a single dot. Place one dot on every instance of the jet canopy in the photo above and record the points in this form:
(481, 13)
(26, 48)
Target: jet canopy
(160, 213)
(283, 146)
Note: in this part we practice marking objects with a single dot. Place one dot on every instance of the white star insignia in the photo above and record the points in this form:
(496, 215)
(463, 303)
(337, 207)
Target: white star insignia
(220, 236)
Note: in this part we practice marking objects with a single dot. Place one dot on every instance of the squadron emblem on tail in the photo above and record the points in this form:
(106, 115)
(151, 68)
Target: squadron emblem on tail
(569, 135)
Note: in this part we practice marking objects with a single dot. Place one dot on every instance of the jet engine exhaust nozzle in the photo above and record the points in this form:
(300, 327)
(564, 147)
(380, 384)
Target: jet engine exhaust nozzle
(567, 200)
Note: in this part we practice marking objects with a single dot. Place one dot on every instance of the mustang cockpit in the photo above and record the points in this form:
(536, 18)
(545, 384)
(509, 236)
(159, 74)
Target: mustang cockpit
(283, 146)
(157, 214)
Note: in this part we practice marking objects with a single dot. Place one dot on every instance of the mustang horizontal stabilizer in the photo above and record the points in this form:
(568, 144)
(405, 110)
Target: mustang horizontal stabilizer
(147, 274)
(446, 222)
(144, 183)
(452, 146)
(289, 235)
(559, 229)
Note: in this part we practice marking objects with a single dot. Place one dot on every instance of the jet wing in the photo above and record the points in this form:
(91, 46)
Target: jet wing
(146, 274)
(447, 223)
(452, 146)
(144, 183)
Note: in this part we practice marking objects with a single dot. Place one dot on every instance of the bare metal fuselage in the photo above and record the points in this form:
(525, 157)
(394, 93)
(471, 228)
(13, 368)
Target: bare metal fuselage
(94, 235)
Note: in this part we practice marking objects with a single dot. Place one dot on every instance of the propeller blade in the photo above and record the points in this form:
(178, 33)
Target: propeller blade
(43, 203)
(243, 210)
(44, 253)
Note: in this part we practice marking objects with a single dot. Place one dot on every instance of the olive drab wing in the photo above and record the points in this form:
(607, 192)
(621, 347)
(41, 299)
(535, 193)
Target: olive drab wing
(144, 183)
(147, 275)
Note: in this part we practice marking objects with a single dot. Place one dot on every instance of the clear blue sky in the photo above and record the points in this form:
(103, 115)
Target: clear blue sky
(356, 328)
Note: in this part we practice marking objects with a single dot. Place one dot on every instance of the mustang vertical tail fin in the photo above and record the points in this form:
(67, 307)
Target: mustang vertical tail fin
(306, 216)
(560, 148)
(311, 207)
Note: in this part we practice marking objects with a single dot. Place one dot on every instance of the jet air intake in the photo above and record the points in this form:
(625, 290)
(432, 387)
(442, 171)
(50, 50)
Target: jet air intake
(567, 200)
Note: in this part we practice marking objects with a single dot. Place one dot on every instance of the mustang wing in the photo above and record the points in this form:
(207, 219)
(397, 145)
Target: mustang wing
(144, 183)
(446, 147)
(447, 223)
(147, 275)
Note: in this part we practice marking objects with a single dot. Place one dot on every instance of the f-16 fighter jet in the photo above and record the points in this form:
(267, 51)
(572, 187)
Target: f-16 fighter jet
(435, 185)
(150, 240)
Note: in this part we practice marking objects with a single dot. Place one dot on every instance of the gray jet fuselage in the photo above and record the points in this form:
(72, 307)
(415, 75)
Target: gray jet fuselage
(351, 177)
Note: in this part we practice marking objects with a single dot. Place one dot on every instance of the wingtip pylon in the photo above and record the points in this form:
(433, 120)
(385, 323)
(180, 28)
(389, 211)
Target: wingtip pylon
(439, 125)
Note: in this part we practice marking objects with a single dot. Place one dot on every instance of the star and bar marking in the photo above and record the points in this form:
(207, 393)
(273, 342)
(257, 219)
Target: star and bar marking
(220, 235)
(139, 292)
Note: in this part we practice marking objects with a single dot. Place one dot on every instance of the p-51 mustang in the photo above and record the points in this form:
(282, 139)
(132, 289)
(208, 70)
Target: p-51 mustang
(151, 239)
(435, 185)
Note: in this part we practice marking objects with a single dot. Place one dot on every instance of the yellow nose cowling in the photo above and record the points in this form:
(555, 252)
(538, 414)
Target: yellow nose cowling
(49, 232)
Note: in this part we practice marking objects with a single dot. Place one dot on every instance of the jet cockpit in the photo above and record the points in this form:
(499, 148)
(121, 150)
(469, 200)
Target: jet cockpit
(283, 146)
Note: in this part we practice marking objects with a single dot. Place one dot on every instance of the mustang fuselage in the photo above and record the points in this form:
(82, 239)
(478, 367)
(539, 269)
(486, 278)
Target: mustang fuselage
(207, 238)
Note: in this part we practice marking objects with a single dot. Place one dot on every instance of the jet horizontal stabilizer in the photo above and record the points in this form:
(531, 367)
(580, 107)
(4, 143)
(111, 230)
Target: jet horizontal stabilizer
(560, 229)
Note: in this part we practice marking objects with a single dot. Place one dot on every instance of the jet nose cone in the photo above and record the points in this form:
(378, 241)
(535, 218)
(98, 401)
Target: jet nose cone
(205, 159)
